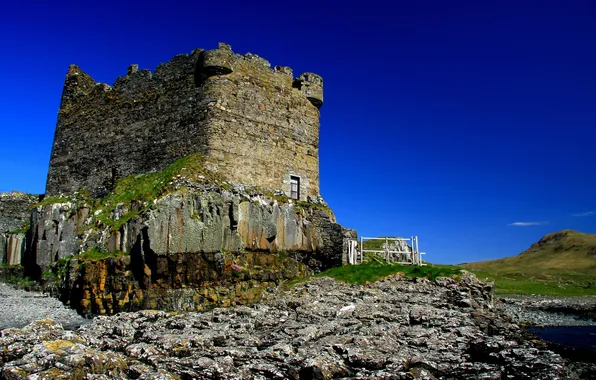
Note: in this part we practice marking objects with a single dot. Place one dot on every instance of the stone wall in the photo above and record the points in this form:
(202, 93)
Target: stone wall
(261, 130)
(15, 208)
(254, 124)
(142, 124)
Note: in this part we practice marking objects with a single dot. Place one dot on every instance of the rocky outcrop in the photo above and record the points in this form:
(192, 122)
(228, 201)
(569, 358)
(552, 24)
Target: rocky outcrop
(15, 208)
(202, 220)
(180, 281)
(198, 246)
(399, 328)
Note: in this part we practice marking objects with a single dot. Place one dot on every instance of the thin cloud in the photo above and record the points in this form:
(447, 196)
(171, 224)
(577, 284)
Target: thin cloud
(588, 213)
(526, 224)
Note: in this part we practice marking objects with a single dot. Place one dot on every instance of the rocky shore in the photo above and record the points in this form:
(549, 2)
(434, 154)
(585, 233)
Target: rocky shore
(18, 308)
(399, 328)
(549, 311)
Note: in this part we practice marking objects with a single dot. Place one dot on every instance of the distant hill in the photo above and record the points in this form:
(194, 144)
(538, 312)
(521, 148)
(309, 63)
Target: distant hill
(565, 252)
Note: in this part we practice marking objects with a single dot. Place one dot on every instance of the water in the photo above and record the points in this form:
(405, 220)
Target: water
(582, 337)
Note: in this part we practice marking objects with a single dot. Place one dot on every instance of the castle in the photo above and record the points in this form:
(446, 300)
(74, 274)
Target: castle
(255, 125)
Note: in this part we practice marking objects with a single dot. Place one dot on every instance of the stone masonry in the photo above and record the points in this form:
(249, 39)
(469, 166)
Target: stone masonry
(254, 124)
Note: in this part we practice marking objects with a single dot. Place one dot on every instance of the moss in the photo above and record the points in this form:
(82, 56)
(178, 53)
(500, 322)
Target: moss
(52, 200)
(95, 254)
(139, 191)
(58, 270)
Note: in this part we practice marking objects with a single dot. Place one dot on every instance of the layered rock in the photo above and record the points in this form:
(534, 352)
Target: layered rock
(197, 246)
(15, 208)
(399, 328)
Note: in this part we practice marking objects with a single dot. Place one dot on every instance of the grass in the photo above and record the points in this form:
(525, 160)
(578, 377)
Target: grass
(145, 188)
(560, 264)
(19, 281)
(374, 271)
(562, 284)
(57, 270)
(52, 200)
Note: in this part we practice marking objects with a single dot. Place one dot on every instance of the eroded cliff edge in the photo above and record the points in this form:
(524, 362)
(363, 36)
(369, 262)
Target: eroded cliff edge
(181, 239)
(15, 209)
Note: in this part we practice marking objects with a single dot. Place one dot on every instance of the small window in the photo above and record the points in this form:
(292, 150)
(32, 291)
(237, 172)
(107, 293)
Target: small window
(294, 187)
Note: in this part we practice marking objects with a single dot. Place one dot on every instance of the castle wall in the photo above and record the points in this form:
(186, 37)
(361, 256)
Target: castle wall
(261, 129)
(142, 124)
(252, 124)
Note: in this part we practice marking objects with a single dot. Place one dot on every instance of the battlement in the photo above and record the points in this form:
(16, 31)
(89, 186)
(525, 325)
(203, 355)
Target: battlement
(253, 123)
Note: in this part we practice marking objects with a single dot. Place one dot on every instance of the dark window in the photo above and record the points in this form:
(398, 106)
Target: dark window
(294, 187)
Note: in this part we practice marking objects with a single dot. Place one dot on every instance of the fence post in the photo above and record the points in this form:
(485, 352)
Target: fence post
(361, 244)
(386, 249)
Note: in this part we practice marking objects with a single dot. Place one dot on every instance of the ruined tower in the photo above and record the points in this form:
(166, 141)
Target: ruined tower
(254, 124)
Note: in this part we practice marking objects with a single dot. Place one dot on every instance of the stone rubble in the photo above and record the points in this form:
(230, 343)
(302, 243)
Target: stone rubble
(399, 328)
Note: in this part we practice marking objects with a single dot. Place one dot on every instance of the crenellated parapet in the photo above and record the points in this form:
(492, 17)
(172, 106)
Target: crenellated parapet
(214, 62)
(311, 85)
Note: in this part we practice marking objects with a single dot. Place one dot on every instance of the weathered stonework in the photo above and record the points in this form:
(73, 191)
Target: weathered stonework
(254, 124)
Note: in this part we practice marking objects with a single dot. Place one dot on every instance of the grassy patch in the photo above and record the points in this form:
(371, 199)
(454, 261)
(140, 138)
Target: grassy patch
(560, 264)
(561, 284)
(145, 188)
(57, 270)
(19, 281)
(374, 271)
(52, 200)
(8, 266)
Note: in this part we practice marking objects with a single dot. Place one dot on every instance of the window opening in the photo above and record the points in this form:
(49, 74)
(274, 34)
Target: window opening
(294, 187)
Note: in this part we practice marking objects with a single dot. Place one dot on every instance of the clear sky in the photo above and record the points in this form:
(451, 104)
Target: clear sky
(470, 124)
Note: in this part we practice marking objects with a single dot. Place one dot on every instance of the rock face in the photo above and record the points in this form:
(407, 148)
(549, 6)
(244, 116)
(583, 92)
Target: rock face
(395, 329)
(191, 248)
(185, 281)
(15, 208)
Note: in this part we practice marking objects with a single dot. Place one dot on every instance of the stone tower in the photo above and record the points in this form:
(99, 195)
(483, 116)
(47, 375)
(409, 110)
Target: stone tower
(254, 124)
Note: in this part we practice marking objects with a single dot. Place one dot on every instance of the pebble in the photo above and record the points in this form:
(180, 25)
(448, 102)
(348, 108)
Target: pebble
(19, 307)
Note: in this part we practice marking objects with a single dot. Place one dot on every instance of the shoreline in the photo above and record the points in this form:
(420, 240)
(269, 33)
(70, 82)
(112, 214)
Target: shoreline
(541, 311)
(20, 307)
(431, 317)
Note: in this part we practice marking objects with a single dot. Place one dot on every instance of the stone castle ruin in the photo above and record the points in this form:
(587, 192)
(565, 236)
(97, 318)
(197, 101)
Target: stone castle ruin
(253, 220)
(255, 124)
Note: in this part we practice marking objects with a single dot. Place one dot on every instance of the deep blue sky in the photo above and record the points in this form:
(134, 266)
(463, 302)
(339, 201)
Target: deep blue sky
(448, 120)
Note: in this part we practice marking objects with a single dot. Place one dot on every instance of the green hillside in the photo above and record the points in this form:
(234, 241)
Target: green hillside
(561, 263)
